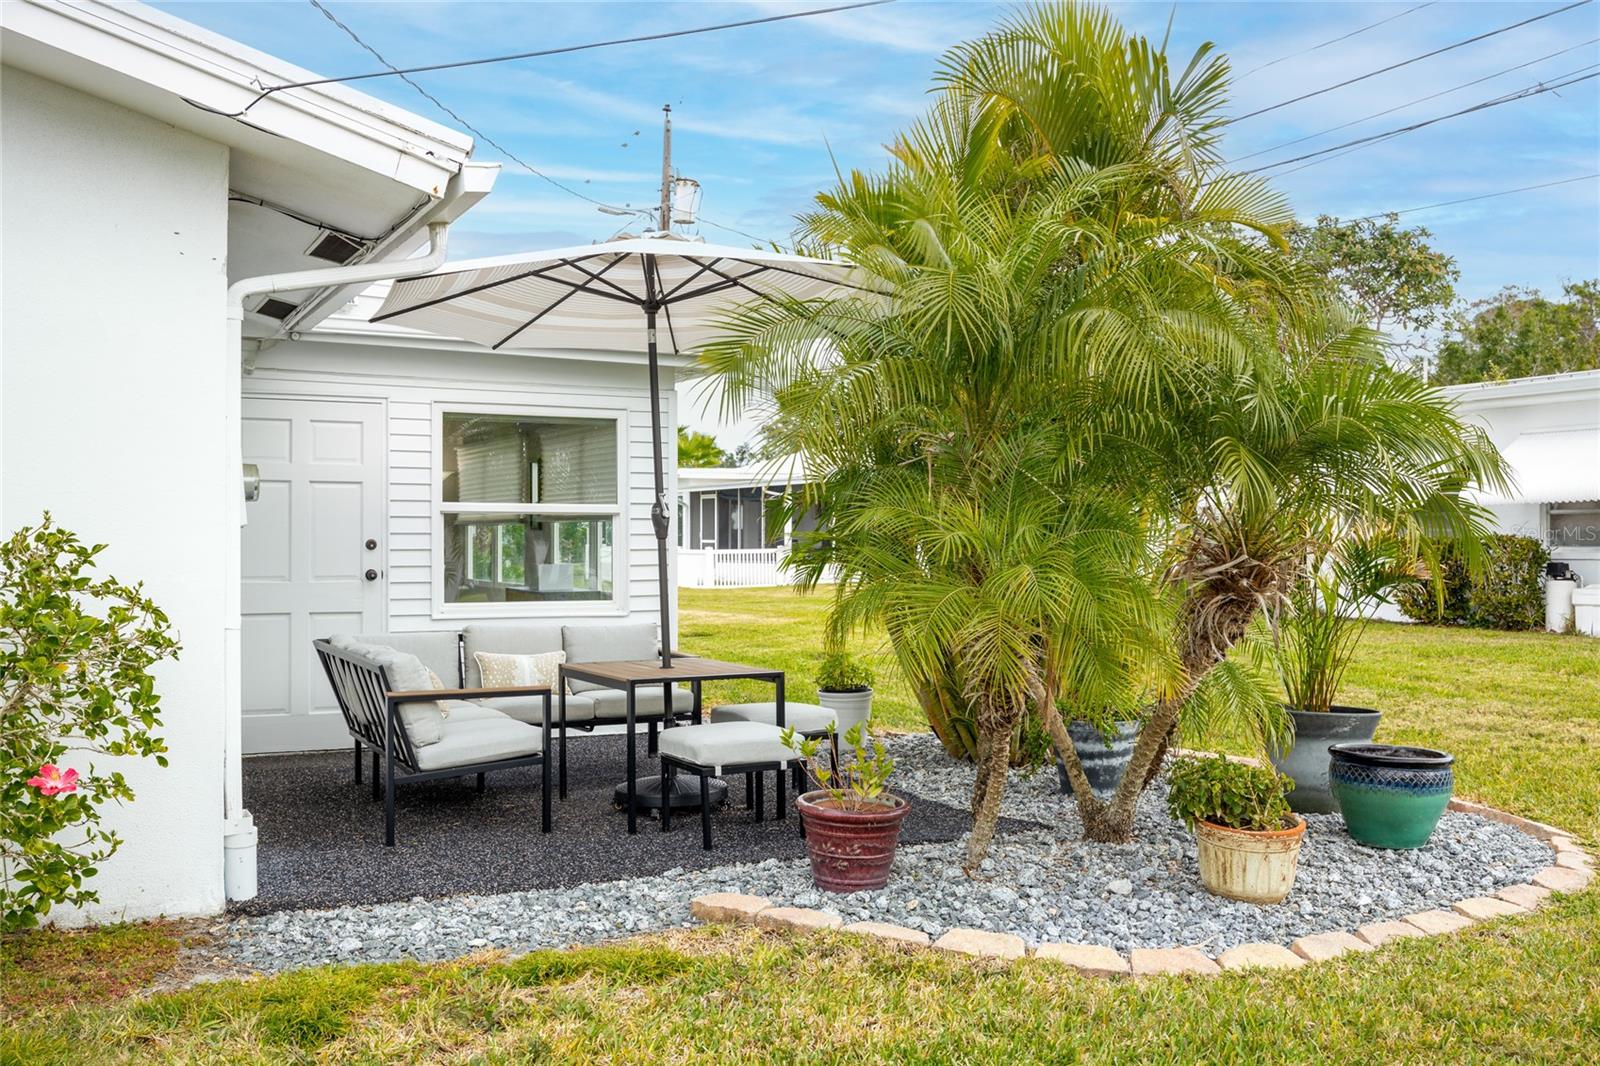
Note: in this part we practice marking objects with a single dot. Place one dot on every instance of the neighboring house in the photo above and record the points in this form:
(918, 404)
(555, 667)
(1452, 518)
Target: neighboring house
(406, 482)
(728, 533)
(1548, 428)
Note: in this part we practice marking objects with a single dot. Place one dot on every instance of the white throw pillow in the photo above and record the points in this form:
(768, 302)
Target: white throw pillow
(518, 671)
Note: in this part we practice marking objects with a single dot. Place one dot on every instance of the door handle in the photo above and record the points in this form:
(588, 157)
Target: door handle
(371, 575)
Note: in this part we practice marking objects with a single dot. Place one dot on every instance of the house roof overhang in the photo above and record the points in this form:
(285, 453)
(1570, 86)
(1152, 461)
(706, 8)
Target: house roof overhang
(302, 162)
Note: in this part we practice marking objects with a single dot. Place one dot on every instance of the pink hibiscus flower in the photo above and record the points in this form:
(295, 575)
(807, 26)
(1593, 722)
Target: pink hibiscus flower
(52, 779)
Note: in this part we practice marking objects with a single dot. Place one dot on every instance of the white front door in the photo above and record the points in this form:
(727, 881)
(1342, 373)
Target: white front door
(313, 547)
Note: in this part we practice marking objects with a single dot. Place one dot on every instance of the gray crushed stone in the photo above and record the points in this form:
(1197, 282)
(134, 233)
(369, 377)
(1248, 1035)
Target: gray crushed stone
(1044, 884)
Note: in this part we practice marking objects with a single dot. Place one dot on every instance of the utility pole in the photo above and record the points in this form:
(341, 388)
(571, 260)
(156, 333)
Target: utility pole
(666, 169)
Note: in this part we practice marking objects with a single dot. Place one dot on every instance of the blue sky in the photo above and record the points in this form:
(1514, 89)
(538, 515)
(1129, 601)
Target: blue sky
(756, 111)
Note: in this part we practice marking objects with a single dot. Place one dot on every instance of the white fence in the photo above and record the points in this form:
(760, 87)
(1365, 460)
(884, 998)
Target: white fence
(723, 568)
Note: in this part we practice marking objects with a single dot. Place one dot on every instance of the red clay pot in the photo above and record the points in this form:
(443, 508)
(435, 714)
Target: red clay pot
(851, 850)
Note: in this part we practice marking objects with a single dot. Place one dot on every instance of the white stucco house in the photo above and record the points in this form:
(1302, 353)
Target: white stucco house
(1548, 429)
(144, 173)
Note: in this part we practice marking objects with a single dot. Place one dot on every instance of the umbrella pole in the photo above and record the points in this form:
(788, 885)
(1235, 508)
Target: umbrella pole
(660, 516)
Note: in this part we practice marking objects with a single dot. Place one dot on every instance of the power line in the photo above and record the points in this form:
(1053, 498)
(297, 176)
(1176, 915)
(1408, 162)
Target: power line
(1484, 196)
(404, 75)
(1333, 40)
(1413, 59)
(1532, 90)
(1418, 100)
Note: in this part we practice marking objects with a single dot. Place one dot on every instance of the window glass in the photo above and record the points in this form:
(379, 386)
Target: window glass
(510, 558)
(1575, 525)
(491, 458)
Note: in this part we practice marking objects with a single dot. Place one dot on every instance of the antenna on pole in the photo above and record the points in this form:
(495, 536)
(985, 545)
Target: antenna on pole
(666, 168)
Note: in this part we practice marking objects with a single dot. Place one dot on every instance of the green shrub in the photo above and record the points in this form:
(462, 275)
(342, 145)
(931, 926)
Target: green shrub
(1507, 594)
(1227, 793)
(842, 672)
(75, 659)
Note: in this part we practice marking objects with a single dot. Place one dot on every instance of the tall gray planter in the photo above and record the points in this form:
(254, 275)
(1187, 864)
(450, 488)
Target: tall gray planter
(1306, 760)
(1103, 762)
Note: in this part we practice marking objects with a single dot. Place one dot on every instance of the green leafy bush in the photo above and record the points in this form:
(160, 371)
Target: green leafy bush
(1508, 593)
(856, 783)
(842, 672)
(1232, 794)
(75, 659)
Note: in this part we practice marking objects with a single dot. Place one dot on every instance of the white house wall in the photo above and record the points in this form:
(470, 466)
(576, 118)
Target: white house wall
(111, 402)
(410, 382)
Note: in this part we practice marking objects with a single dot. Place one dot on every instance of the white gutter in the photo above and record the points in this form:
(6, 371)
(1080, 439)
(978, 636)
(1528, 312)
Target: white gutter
(238, 828)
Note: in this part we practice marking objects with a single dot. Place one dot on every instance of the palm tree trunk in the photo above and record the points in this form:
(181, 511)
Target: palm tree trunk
(993, 764)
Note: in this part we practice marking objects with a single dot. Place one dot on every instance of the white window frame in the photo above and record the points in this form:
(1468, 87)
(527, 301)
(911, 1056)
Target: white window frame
(617, 604)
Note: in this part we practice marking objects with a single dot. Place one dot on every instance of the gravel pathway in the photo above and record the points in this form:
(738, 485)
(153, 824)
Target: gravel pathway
(1041, 883)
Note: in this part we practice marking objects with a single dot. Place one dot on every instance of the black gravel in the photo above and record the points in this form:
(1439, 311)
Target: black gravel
(321, 834)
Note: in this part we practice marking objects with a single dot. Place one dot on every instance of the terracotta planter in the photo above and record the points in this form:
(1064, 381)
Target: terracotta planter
(1305, 762)
(851, 850)
(850, 707)
(1247, 865)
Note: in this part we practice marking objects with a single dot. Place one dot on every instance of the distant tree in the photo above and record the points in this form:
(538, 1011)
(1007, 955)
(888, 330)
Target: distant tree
(699, 449)
(743, 455)
(1518, 333)
(1392, 276)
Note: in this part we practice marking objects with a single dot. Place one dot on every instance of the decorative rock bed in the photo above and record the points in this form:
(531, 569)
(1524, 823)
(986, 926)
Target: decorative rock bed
(1133, 908)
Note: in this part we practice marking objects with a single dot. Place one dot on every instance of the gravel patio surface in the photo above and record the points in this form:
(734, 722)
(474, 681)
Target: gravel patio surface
(1041, 880)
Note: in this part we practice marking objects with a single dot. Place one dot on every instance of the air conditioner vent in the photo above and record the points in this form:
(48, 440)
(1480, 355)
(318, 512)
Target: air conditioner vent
(275, 308)
(335, 248)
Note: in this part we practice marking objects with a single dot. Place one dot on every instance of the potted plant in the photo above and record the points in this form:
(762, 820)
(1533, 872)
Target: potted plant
(844, 686)
(851, 823)
(1248, 839)
(1391, 797)
(1103, 739)
(1315, 640)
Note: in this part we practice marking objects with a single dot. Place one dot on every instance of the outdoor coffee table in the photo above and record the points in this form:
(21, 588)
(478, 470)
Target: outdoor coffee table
(631, 675)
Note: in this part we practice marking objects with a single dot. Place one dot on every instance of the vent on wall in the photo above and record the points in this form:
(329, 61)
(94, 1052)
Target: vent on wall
(335, 247)
(275, 308)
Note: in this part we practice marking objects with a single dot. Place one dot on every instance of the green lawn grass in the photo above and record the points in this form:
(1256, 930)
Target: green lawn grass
(1521, 711)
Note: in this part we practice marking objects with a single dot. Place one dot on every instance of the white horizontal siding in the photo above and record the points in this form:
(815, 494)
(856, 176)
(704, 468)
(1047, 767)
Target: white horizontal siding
(412, 383)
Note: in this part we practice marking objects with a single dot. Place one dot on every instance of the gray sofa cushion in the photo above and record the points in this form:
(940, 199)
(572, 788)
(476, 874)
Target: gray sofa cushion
(468, 711)
(608, 643)
(480, 741)
(436, 649)
(508, 640)
(611, 705)
(804, 717)
(422, 720)
(726, 744)
(530, 709)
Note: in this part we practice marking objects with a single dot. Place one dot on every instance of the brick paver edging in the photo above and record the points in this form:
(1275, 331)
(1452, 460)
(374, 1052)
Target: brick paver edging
(1571, 871)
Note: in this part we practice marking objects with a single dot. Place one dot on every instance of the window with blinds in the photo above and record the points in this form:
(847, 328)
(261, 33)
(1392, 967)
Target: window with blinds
(528, 508)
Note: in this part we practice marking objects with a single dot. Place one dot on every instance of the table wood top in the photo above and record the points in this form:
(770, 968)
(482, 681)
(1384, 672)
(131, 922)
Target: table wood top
(684, 668)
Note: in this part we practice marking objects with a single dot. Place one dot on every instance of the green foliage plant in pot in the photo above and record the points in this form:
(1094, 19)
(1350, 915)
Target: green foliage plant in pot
(76, 650)
(1103, 739)
(1248, 839)
(844, 686)
(851, 821)
(1316, 637)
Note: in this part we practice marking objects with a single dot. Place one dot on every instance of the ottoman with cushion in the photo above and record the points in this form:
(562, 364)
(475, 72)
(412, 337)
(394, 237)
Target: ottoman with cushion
(719, 748)
(807, 719)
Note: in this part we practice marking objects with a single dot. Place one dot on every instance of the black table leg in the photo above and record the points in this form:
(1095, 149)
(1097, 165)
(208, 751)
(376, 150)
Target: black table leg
(705, 812)
(761, 799)
(633, 813)
(561, 680)
(666, 790)
(783, 800)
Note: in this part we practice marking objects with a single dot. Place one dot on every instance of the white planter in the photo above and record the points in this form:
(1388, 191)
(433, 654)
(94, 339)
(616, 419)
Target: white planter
(850, 707)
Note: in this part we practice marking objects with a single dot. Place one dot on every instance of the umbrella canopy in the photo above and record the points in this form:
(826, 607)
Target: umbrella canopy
(652, 291)
(595, 296)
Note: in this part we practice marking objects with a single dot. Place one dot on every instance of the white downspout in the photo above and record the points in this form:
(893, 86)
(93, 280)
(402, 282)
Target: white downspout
(238, 828)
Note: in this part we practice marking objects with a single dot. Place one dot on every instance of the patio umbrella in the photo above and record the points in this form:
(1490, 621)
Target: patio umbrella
(611, 296)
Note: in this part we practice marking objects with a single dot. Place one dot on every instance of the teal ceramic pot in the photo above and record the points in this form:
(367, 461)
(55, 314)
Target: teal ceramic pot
(1305, 761)
(1391, 797)
(1103, 760)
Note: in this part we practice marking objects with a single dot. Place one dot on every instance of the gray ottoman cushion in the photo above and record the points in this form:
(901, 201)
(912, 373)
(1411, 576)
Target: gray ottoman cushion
(804, 717)
(611, 705)
(608, 643)
(480, 741)
(725, 744)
